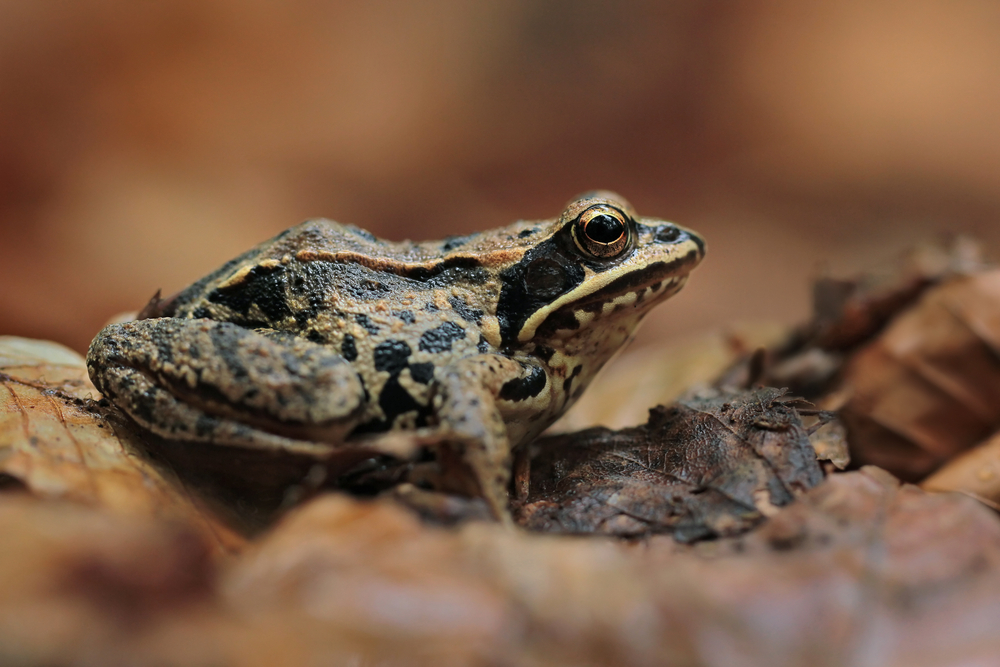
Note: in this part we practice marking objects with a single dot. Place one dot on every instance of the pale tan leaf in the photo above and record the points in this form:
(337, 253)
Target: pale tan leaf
(58, 443)
(975, 472)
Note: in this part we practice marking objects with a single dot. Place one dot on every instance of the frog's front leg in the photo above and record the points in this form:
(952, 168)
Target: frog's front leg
(466, 405)
(217, 382)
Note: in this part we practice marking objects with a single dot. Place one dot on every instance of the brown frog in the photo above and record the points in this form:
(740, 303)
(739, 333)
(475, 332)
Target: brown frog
(326, 334)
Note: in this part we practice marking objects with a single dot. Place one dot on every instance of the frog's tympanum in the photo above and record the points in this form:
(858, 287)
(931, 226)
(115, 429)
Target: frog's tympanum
(326, 334)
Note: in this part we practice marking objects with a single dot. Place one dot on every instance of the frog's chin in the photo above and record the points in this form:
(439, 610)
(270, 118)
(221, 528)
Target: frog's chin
(630, 305)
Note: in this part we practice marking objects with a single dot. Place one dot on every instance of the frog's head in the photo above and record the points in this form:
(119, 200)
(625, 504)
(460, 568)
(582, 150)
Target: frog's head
(599, 267)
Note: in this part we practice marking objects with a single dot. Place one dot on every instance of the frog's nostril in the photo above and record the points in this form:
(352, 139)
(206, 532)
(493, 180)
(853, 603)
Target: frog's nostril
(667, 234)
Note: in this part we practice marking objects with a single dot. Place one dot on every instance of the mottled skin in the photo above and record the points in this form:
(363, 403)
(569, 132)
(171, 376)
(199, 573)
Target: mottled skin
(326, 333)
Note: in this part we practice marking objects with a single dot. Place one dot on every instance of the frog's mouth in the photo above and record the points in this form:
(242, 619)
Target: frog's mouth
(628, 289)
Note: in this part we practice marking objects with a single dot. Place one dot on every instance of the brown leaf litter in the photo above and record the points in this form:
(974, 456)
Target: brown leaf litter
(714, 464)
(120, 548)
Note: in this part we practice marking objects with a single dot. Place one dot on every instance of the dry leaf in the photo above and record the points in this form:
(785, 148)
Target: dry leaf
(928, 387)
(708, 466)
(849, 312)
(84, 586)
(860, 571)
(58, 444)
(975, 472)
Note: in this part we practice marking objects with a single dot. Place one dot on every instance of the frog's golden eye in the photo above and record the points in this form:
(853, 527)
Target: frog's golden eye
(602, 231)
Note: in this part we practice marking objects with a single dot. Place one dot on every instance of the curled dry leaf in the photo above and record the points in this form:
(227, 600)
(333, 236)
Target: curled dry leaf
(928, 387)
(707, 466)
(55, 442)
(849, 312)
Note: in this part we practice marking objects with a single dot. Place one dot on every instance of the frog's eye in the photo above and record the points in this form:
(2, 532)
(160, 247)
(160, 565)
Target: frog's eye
(602, 231)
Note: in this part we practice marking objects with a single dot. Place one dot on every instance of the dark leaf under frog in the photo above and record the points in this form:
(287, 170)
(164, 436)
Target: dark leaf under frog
(707, 466)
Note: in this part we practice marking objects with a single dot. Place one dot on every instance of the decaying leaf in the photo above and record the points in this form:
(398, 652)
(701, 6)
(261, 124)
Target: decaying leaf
(928, 387)
(58, 444)
(860, 571)
(710, 465)
(76, 581)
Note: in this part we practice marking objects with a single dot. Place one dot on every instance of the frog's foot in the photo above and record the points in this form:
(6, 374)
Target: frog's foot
(217, 382)
(473, 432)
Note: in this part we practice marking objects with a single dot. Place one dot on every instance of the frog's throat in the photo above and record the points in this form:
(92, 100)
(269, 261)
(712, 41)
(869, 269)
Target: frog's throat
(662, 284)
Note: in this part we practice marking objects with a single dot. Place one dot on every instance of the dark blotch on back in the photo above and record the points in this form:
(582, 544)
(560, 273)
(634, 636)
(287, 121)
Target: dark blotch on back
(439, 339)
(394, 400)
(177, 305)
(467, 313)
(544, 353)
(422, 373)
(391, 356)
(348, 348)
(366, 323)
(264, 286)
(525, 387)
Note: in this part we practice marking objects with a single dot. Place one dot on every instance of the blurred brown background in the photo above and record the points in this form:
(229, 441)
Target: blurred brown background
(142, 144)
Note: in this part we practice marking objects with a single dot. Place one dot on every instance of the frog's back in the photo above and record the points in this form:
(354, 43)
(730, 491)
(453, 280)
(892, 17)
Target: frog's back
(306, 278)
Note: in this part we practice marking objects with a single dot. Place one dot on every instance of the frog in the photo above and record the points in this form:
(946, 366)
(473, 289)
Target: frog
(326, 336)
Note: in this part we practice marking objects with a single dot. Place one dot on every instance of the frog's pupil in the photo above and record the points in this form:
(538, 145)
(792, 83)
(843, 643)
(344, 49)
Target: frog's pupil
(605, 228)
